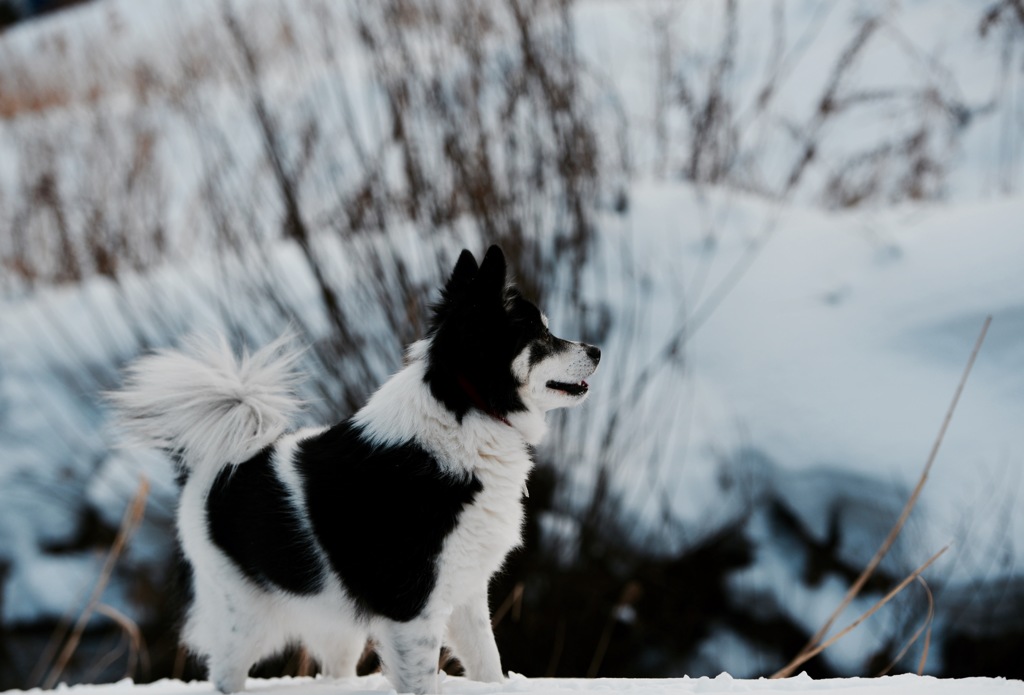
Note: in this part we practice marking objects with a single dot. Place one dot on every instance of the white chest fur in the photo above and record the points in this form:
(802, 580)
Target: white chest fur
(493, 451)
(488, 528)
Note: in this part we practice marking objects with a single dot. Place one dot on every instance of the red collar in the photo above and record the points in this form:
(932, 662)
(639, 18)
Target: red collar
(478, 402)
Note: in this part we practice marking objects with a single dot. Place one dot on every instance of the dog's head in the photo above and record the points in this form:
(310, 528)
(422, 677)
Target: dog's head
(489, 348)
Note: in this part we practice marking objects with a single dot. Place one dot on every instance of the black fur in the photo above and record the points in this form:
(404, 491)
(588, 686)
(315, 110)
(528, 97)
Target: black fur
(401, 501)
(252, 520)
(478, 328)
(403, 505)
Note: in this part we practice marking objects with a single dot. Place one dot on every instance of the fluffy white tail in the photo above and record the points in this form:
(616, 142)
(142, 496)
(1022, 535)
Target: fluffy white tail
(206, 405)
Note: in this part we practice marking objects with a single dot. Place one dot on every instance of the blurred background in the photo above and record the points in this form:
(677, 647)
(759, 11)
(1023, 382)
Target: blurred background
(784, 222)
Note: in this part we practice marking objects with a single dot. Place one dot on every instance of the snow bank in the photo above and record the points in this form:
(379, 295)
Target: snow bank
(827, 342)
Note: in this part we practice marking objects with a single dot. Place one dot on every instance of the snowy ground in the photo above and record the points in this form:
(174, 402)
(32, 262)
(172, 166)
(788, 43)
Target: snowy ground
(905, 685)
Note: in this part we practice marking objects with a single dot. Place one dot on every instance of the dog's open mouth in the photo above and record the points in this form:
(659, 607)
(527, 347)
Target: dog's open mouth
(571, 389)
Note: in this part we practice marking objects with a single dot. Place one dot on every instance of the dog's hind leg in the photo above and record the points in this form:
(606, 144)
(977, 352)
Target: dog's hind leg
(409, 653)
(471, 638)
(230, 636)
(229, 667)
(242, 645)
(340, 651)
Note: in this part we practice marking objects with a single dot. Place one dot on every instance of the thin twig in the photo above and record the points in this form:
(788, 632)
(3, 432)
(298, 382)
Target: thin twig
(131, 640)
(129, 524)
(928, 632)
(855, 589)
(180, 657)
(513, 602)
(926, 625)
(60, 633)
(808, 655)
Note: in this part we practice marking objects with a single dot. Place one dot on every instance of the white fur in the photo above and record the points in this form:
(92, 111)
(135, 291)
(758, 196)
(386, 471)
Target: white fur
(206, 405)
(571, 366)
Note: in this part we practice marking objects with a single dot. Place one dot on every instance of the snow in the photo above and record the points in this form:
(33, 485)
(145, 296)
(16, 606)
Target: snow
(903, 684)
(918, 47)
(756, 346)
(840, 346)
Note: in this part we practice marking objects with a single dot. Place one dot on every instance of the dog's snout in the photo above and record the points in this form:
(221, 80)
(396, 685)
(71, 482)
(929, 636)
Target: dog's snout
(594, 353)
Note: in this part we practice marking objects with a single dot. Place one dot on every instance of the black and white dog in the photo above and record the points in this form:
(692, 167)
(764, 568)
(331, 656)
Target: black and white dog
(387, 526)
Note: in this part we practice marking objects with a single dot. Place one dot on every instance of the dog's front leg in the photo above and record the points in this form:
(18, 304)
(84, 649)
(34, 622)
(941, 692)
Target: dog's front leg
(471, 638)
(410, 652)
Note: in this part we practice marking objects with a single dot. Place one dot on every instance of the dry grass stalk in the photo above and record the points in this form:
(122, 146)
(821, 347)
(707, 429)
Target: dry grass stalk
(129, 524)
(926, 628)
(855, 589)
(513, 602)
(928, 632)
(180, 657)
(132, 641)
(810, 654)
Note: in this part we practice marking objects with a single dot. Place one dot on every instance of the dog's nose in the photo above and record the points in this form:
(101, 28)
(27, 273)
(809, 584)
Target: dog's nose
(594, 353)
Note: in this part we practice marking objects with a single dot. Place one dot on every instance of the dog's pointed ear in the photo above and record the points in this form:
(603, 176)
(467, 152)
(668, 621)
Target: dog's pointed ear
(490, 281)
(465, 270)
